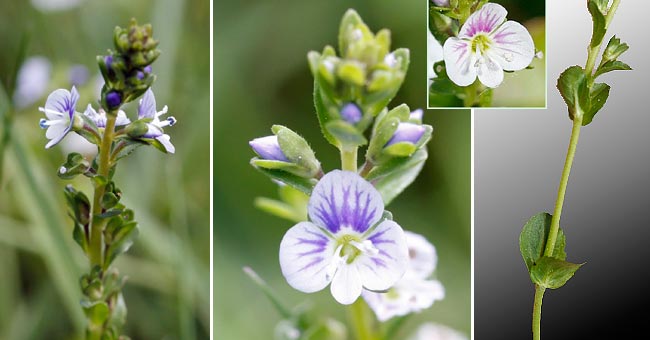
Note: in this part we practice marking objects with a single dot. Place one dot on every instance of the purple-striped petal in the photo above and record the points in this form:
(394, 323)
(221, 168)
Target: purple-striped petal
(407, 132)
(380, 271)
(344, 200)
(147, 107)
(61, 102)
(459, 61)
(306, 254)
(513, 48)
(485, 20)
(268, 148)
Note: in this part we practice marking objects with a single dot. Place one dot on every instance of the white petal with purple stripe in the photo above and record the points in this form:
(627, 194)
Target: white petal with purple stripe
(381, 269)
(344, 200)
(59, 110)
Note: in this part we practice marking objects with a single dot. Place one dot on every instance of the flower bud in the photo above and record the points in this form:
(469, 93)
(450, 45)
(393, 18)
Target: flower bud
(408, 133)
(614, 49)
(268, 148)
(113, 100)
(351, 113)
(137, 129)
(416, 116)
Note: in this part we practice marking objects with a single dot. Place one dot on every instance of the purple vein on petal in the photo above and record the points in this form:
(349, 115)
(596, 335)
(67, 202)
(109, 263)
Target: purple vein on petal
(311, 264)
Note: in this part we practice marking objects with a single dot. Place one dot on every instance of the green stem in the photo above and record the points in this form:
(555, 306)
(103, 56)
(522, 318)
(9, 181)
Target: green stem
(564, 181)
(97, 225)
(470, 95)
(349, 158)
(537, 312)
(361, 321)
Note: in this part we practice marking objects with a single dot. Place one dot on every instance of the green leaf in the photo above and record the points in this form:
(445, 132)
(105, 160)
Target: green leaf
(300, 183)
(297, 150)
(391, 178)
(532, 240)
(96, 312)
(401, 149)
(322, 113)
(122, 241)
(612, 65)
(598, 19)
(572, 85)
(126, 147)
(615, 48)
(552, 273)
(279, 209)
(599, 94)
(79, 236)
(345, 133)
(75, 165)
(109, 200)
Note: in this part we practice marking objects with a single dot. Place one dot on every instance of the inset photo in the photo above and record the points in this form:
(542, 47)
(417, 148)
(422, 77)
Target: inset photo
(486, 54)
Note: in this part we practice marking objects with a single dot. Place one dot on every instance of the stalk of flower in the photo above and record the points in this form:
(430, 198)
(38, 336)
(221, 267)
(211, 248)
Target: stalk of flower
(104, 228)
(542, 242)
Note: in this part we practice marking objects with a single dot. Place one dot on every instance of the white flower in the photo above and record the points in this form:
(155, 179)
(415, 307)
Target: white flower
(432, 331)
(147, 111)
(413, 292)
(346, 243)
(99, 118)
(486, 46)
(59, 110)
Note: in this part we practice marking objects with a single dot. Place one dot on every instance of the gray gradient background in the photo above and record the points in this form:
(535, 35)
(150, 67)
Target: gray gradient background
(519, 155)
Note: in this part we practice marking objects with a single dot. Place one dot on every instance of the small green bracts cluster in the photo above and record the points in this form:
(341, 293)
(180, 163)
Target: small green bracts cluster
(542, 242)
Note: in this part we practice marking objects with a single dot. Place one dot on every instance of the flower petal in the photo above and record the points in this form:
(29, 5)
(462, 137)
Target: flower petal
(489, 72)
(342, 199)
(513, 47)
(122, 119)
(165, 141)
(346, 286)
(62, 102)
(407, 296)
(305, 254)
(381, 271)
(147, 107)
(485, 20)
(459, 61)
(422, 255)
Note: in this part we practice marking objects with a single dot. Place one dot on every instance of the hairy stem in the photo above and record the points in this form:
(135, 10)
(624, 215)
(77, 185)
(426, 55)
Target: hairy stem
(97, 225)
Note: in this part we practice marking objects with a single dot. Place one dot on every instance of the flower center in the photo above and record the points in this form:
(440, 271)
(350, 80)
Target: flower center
(481, 43)
(351, 246)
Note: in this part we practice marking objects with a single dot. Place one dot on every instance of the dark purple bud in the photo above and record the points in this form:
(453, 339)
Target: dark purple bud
(113, 100)
(351, 113)
(268, 148)
(407, 132)
(140, 75)
(147, 69)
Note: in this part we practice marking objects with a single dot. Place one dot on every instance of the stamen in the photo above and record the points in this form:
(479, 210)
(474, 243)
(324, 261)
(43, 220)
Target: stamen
(171, 121)
(62, 170)
(366, 247)
(335, 262)
(43, 123)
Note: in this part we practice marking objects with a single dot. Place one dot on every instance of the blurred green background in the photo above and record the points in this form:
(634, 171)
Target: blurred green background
(262, 78)
(168, 290)
(525, 88)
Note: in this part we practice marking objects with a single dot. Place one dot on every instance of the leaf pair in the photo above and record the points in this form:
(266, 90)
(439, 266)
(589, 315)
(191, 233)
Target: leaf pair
(546, 271)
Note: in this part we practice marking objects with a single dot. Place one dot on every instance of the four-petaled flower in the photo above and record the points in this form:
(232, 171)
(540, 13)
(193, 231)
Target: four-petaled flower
(60, 110)
(347, 243)
(413, 292)
(147, 112)
(486, 46)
